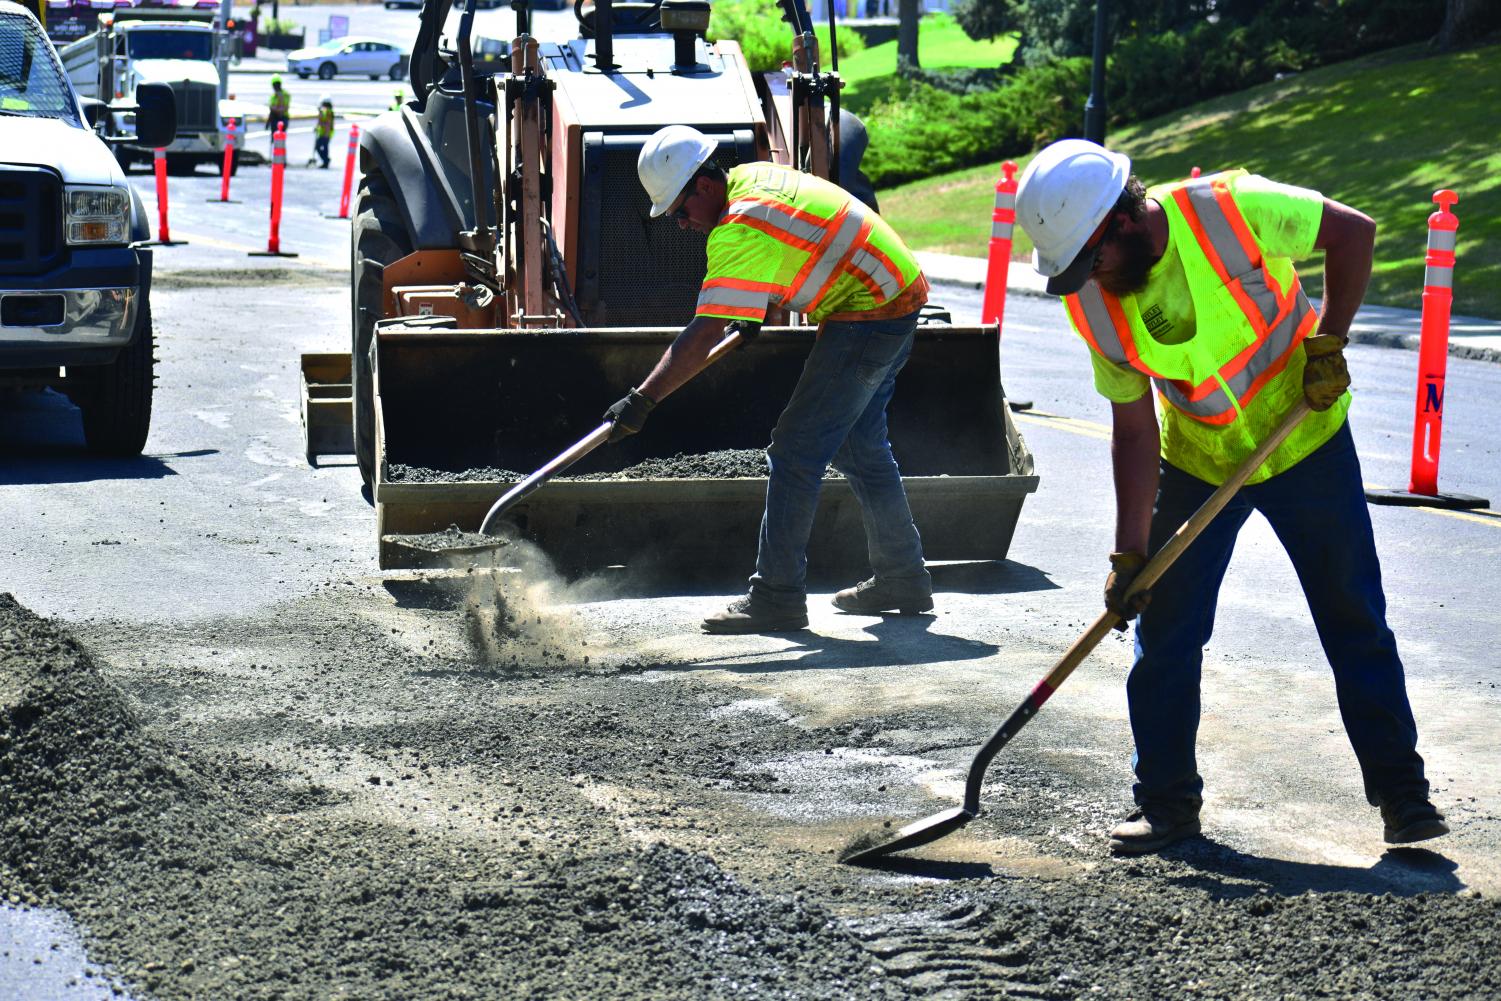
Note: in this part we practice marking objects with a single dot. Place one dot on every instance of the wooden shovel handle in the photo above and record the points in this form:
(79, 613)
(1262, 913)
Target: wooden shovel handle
(1150, 574)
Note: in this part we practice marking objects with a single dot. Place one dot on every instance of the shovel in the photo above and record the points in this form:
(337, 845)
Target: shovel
(874, 844)
(488, 540)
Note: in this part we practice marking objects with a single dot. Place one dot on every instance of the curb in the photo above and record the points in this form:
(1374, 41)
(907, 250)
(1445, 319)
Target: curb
(954, 271)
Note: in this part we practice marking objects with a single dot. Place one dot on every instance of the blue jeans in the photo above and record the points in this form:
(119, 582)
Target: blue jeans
(838, 414)
(320, 148)
(1318, 511)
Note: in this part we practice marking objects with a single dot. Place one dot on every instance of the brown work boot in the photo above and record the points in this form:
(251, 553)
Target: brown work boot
(1143, 832)
(751, 616)
(1412, 820)
(869, 597)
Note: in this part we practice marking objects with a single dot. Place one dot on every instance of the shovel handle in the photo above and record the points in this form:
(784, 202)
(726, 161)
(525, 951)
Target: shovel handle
(1150, 574)
(585, 445)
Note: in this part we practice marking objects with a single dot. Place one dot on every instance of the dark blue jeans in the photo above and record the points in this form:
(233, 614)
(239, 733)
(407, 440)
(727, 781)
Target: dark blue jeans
(1318, 511)
(838, 414)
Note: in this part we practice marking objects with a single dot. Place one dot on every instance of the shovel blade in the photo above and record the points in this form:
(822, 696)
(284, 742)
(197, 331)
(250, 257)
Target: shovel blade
(869, 847)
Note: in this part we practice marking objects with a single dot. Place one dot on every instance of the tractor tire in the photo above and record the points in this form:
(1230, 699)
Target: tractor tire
(377, 239)
(116, 398)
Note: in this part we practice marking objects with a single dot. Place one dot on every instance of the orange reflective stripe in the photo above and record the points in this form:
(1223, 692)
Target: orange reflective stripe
(1212, 254)
(841, 266)
(771, 288)
(891, 269)
(772, 230)
(734, 312)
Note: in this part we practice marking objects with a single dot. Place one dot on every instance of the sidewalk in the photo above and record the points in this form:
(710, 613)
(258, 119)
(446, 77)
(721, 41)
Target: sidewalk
(1383, 326)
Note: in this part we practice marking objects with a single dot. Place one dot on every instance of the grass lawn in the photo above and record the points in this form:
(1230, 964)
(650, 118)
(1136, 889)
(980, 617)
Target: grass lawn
(941, 44)
(1381, 133)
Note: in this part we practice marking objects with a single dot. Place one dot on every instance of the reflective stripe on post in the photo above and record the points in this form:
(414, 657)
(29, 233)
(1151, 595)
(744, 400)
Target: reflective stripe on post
(1002, 222)
(278, 176)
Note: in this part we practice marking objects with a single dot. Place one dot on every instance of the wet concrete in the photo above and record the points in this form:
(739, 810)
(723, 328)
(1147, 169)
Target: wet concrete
(343, 796)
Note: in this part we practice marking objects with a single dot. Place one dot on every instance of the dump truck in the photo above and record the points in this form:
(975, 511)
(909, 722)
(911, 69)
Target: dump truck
(508, 284)
(186, 49)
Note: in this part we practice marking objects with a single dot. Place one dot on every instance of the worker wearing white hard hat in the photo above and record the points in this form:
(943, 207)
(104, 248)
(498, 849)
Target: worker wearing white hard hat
(782, 239)
(1189, 287)
(323, 130)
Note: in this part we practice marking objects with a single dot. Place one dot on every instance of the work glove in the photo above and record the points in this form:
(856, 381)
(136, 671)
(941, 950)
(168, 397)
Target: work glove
(628, 414)
(748, 331)
(1123, 570)
(1325, 375)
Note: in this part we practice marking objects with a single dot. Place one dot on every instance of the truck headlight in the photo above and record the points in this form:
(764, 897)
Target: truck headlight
(97, 215)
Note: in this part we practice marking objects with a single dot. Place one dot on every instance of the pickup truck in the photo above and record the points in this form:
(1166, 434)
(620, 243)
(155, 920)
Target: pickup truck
(75, 281)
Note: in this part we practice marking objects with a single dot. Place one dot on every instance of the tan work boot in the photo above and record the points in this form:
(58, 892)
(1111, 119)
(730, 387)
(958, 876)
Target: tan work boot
(876, 595)
(751, 616)
(1142, 832)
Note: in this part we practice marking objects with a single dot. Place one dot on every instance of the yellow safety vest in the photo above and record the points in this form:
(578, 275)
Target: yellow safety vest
(325, 126)
(281, 101)
(1226, 387)
(828, 254)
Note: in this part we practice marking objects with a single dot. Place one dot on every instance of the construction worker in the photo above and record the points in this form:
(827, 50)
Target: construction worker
(323, 130)
(1190, 286)
(398, 101)
(781, 237)
(280, 106)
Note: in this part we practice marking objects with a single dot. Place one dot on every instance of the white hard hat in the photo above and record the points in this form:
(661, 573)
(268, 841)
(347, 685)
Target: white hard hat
(668, 161)
(1064, 194)
(325, 99)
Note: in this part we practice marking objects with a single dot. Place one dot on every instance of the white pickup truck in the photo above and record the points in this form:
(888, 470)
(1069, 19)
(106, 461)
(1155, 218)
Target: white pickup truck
(75, 282)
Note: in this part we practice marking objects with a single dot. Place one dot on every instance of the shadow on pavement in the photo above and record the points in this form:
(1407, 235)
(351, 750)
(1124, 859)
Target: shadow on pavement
(903, 639)
(41, 441)
(1227, 873)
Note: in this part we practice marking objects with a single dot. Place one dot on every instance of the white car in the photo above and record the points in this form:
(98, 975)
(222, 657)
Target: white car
(354, 56)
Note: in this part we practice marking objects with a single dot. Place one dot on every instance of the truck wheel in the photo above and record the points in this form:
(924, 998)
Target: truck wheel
(116, 398)
(377, 239)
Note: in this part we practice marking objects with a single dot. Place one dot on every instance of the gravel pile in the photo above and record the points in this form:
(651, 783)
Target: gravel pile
(727, 464)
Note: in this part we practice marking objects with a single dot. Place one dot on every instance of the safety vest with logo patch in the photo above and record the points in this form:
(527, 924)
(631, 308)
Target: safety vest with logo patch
(798, 241)
(1225, 388)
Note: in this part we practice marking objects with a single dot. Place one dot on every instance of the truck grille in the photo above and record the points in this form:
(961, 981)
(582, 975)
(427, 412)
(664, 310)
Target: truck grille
(31, 226)
(197, 106)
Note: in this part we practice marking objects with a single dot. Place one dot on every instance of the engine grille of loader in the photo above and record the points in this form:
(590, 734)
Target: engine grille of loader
(645, 272)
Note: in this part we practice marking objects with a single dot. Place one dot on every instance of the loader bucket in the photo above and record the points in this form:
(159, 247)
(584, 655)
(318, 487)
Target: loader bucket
(449, 401)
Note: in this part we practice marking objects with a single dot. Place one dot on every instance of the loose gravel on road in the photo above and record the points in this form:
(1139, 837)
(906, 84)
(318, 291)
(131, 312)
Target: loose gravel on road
(342, 797)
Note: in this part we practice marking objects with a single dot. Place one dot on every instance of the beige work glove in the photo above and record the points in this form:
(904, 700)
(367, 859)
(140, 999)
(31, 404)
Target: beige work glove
(1123, 570)
(1325, 375)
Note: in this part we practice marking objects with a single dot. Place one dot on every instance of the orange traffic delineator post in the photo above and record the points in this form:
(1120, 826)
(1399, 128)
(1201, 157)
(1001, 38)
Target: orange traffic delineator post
(354, 149)
(163, 231)
(1002, 221)
(227, 169)
(1433, 358)
(1194, 172)
(998, 267)
(278, 175)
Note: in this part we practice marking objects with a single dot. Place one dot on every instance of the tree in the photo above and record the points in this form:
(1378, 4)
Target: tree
(908, 11)
(1464, 22)
(983, 20)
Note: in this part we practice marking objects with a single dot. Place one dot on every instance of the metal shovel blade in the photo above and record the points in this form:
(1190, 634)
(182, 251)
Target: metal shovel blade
(874, 844)
(452, 546)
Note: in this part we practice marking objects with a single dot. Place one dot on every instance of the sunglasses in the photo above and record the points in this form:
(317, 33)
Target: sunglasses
(680, 214)
(1099, 246)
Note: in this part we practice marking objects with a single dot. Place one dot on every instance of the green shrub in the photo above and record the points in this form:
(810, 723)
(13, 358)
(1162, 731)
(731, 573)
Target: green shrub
(920, 130)
(764, 36)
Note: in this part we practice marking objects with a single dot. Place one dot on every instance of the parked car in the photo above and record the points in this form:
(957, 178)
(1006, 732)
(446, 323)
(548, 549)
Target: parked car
(482, 4)
(350, 56)
(75, 278)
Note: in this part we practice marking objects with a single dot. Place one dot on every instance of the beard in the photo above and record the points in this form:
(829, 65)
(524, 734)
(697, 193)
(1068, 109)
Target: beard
(1136, 260)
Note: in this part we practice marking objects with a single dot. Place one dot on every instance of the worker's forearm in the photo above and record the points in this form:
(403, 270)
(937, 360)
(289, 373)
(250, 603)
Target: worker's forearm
(1348, 239)
(684, 358)
(1135, 451)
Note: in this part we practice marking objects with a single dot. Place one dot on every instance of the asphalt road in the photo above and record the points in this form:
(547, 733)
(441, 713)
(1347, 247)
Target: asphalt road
(224, 517)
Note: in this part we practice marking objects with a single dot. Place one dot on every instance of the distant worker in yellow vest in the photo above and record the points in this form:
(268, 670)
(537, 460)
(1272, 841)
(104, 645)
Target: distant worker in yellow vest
(780, 237)
(280, 108)
(323, 130)
(398, 100)
(1190, 287)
